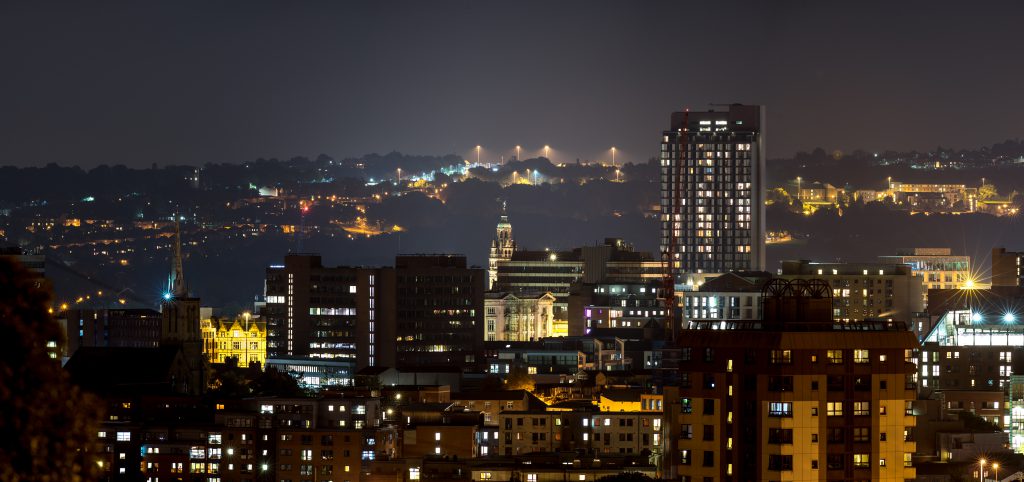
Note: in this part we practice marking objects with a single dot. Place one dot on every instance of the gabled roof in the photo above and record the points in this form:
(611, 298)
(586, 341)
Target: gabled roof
(737, 282)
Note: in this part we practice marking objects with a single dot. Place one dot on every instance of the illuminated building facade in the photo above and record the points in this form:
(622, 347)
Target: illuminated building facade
(794, 395)
(712, 191)
(939, 267)
(241, 338)
(329, 313)
(862, 291)
(523, 317)
(439, 311)
(969, 356)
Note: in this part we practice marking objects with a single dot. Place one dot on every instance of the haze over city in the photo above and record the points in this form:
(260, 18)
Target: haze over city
(511, 242)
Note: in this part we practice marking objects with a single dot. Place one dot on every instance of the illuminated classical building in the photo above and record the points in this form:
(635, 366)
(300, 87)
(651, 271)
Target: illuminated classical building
(712, 191)
(794, 395)
(241, 338)
(522, 317)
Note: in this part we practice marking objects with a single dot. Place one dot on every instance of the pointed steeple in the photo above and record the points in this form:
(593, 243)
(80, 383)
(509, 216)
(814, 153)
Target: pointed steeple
(176, 281)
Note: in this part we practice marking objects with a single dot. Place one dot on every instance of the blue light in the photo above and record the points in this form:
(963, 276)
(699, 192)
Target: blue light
(167, 296)
(976, 317)
(1009, 318)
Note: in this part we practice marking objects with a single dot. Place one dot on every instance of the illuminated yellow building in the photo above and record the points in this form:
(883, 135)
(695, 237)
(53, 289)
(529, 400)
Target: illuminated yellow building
(241, 338)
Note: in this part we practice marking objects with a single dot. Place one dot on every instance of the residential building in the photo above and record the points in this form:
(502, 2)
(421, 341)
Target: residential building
(795, 395)
(712, 191)
(103, 327)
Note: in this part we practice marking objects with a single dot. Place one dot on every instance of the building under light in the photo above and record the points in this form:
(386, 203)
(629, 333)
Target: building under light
(968, 357)
(242, 338)
(940, 268)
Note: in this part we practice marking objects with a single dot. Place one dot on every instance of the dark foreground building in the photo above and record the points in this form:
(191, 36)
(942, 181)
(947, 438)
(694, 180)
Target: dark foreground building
(794, 396)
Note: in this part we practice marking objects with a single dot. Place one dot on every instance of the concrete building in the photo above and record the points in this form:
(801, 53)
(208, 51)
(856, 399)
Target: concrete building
(439, 311)
(614, 305)
(343, 314)
(712, 191)
(1006, 269)
(793, 396)
(731, 296)
(939, 267)
(862, 291)
(522, 317)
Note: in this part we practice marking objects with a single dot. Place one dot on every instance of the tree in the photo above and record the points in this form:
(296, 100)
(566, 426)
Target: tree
(519, 378)
(626, 477)
(48, 426)
(987, 191)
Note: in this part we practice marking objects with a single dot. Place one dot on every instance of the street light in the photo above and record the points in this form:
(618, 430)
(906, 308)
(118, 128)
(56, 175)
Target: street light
(995, 467)
(798, 180)
(617, 172)
(546, 149)
(981, 470)
(518, 148)
(399, 175)
(478, 154)
(613, 156)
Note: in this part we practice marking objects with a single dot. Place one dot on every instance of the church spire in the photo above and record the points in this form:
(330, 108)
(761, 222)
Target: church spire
(176, 281)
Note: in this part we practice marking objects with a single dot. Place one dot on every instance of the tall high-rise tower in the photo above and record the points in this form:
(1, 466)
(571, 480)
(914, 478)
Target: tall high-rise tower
(502, 246)
(712, 191)
(179, 319)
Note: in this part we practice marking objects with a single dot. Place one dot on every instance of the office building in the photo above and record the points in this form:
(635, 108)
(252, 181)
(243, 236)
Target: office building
(712, 191)
(793, 396)
(862, 291)
(939, 267)
(1006, 267)
(439, 311)
(344, 314)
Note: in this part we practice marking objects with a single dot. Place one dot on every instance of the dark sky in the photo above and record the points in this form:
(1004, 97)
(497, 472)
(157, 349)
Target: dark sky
(180, 82)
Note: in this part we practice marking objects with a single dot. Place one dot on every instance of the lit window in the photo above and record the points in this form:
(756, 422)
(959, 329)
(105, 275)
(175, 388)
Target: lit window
(124, 436)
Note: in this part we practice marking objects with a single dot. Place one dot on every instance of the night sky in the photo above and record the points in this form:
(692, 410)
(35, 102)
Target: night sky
(190, 83)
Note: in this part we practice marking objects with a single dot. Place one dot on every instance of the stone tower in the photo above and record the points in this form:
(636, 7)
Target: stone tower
(502, 246)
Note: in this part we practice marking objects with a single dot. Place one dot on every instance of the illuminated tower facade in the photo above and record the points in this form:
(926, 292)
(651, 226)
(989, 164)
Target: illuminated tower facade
(179, 320)
(712, 191)
(502, 246)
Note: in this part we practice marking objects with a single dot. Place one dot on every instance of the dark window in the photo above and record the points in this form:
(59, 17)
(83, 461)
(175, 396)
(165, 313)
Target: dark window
(709, 458)
(780, 384)
(780, 435)
(780, 462)
(709, 432)
(709, 406)
(836, 461)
